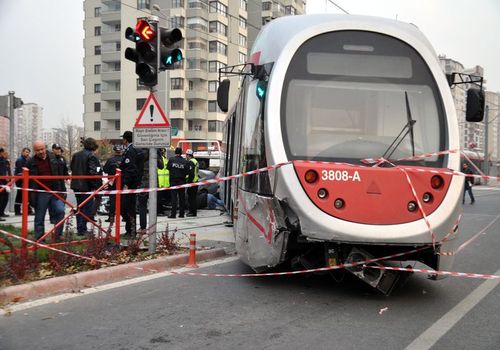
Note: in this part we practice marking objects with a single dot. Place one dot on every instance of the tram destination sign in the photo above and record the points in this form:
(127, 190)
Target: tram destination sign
(157, 137)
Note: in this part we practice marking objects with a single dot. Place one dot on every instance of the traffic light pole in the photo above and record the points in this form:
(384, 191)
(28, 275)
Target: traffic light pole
(11, 102)
(486, 149)
(153, 169)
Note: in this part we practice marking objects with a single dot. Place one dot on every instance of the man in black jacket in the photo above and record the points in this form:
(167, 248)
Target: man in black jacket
(179, 168)
(132, 167)
(4, 195)
(85, 162)
(21, 163)
(44, 163)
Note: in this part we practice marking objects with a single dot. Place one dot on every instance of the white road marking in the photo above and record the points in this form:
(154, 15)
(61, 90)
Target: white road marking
(435, 332)
(57, 298)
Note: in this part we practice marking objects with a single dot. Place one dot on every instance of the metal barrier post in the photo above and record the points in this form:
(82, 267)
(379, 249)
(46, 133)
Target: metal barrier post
(25, 210)
(118, 186)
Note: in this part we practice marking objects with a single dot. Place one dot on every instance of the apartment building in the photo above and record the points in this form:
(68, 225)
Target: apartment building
(216, 34)
(28, 126)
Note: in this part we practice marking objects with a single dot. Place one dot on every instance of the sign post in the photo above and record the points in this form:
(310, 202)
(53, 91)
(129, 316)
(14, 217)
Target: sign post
(152, 130)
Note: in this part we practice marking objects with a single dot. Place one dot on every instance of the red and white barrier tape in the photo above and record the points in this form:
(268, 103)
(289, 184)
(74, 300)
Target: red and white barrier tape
(93, 260)
(436, 272)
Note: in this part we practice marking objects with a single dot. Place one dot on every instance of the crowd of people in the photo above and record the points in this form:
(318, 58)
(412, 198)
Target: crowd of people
(86, 171)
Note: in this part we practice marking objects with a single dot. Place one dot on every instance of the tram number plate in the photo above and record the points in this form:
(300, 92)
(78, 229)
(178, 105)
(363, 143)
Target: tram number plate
(340, 175)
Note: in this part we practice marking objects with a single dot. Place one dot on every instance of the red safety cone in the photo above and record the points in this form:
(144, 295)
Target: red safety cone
(192, 251)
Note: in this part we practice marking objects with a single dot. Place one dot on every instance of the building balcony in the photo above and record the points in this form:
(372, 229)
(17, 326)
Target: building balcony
(215, 135)
(111, 36)
(197, 135)
(197, 53)
(110, 95)
(110, 115)
(175, 114)
(111, 56)
(196, 74)
(110, 75)
(111, 16)
(177, 94)
(215, 16)
(197, 12)
(196, 114)
(197, 94)
(194, 34)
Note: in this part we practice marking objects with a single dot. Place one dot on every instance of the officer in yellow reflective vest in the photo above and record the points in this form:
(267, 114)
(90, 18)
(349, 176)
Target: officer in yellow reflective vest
(192, 191)
(163, 182)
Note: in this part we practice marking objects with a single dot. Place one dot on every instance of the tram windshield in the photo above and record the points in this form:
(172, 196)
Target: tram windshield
(348, 95)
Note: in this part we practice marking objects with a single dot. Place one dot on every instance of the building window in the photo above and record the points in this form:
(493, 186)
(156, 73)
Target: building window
(97, 12)
(217, 27)
(190, 105)
(97, 126)
(117, 125)
(217, 7)
(139, 103)
(243, 22)
(117, 106)
(143, 4)
(290, 10)
(243, 4)
(97, 106)
(117, 86)
(190, 85)
(217, 46)
(242, 40)
(177, 22)
(176, 84)
(97, 69)
(192, 126)
(97, 50)
(177, 123)
(118, 46)
(212, 106)
(177, 3)
(266, 6)
(215, 126)
(97, 88)
(177, 104)
(214, 66)
(118, 27)
(242, 58)
(213, 85)
(97, 31)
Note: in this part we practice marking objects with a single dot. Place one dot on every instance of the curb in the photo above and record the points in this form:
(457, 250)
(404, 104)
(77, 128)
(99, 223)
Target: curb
(81, 280)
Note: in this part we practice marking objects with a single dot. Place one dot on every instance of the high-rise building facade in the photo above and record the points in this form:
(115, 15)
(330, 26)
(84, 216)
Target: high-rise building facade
(28, 126)
(216, 35)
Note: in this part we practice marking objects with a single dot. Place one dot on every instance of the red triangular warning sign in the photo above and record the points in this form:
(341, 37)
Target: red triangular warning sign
(373, 189)
(152, 115)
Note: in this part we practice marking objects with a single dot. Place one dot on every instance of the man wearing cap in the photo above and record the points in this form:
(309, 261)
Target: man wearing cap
(110, 169)
(58, 153)
(192, 178)
(178, 168)
(85, 162)
(131, 165)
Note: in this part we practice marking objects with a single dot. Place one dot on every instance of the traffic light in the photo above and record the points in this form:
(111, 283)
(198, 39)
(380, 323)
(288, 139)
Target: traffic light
(169, 54)
(145, 53)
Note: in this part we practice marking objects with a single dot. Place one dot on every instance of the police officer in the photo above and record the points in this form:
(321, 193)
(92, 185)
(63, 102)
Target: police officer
(131, 165)
(110, 169)
(163, 182)
(192, 178)
(179, 168)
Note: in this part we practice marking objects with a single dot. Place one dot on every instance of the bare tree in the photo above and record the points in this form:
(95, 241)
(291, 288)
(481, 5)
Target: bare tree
(71, 138)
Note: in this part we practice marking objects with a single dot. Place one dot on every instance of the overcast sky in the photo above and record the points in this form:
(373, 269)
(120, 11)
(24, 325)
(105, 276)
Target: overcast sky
(41, 43)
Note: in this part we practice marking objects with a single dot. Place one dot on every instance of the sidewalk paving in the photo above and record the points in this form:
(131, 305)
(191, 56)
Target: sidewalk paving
(216, 239)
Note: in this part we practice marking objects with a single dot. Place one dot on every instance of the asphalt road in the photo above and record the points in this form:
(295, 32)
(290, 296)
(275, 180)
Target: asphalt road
(288, 312)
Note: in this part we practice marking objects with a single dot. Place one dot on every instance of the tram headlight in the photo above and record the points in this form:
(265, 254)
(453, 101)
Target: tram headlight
(427, 197)
(322, 193)
(311, 176)
(412, 206)
(437, 182)
(339, 203)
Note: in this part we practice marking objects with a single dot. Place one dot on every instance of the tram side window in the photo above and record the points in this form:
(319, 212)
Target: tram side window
(253, 154)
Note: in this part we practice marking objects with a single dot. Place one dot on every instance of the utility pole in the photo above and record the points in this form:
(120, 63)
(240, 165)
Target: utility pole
(11, 105)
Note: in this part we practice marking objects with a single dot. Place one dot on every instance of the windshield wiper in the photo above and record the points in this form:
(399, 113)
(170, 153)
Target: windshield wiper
(409, 130)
